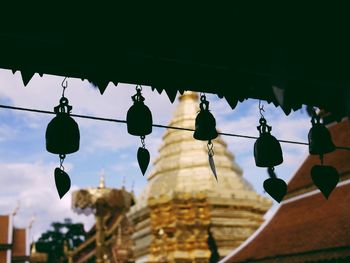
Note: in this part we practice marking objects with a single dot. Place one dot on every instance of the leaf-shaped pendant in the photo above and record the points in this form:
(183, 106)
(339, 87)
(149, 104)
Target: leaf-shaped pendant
(62, 181)
(276, 188)
(143, 158)
(212, 166)
(325, 178)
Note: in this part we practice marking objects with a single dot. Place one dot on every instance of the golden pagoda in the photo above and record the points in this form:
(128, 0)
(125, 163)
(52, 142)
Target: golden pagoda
(184, 214)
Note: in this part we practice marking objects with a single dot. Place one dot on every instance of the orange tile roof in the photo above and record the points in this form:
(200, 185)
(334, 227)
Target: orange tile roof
(309, 224)
(307, 227)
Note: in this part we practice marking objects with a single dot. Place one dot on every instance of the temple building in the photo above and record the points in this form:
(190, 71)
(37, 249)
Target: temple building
(184, 214)
(307, 227)
(109, 240)
(14, 242)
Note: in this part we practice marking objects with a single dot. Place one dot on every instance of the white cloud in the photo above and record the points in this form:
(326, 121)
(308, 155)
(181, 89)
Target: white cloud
(32, 184)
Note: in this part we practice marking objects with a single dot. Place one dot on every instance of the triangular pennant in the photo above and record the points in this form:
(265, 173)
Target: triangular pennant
(159, 89)
(101, 85)
(26, 76)
(232, 102)
(171, 94)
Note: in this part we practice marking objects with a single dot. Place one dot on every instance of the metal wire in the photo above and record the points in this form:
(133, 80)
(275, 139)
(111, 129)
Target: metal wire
(156, 125)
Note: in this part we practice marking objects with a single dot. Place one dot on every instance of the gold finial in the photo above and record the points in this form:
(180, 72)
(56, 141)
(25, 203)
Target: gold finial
(189, 95)
(102, 179)
(32, 220)
(33, 250)
(123, 182)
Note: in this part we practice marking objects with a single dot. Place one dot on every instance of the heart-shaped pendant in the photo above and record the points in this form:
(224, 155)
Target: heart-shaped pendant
(143, 158)
(276, 188)
(325, 178)
(62, 181)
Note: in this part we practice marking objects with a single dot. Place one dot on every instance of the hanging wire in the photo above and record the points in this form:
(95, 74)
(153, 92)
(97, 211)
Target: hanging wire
(64, 85)
(156, 125)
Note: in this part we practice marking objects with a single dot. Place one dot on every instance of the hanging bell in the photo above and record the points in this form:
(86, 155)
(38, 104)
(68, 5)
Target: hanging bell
(267, 150)
(205, 123)
(139, 116)
(320, 140)
(62, 133)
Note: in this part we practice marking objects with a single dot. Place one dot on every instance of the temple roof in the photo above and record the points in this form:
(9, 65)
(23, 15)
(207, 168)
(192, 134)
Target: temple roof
(306, 227)
(182, 165)
(14, 243)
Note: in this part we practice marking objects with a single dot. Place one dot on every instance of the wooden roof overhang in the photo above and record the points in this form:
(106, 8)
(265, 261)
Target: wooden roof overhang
(233, 51)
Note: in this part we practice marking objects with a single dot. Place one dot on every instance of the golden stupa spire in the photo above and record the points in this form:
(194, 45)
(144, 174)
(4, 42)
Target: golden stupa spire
(183, 160)
(102, 183)
(181, 190)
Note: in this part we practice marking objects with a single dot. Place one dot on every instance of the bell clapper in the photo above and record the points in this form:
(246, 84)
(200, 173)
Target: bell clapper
(274, 186)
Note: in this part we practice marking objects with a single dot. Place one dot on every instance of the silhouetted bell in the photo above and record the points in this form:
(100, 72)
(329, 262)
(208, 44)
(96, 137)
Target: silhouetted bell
(62, 133)
(320, 140)
(205, 129)
(139, 117)
(267, 150)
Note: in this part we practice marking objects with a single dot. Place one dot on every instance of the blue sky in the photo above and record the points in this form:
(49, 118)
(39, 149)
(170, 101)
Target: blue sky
(27, 168)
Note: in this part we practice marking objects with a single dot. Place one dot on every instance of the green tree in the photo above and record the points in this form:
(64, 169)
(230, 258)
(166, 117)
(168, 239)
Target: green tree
(52, 241)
